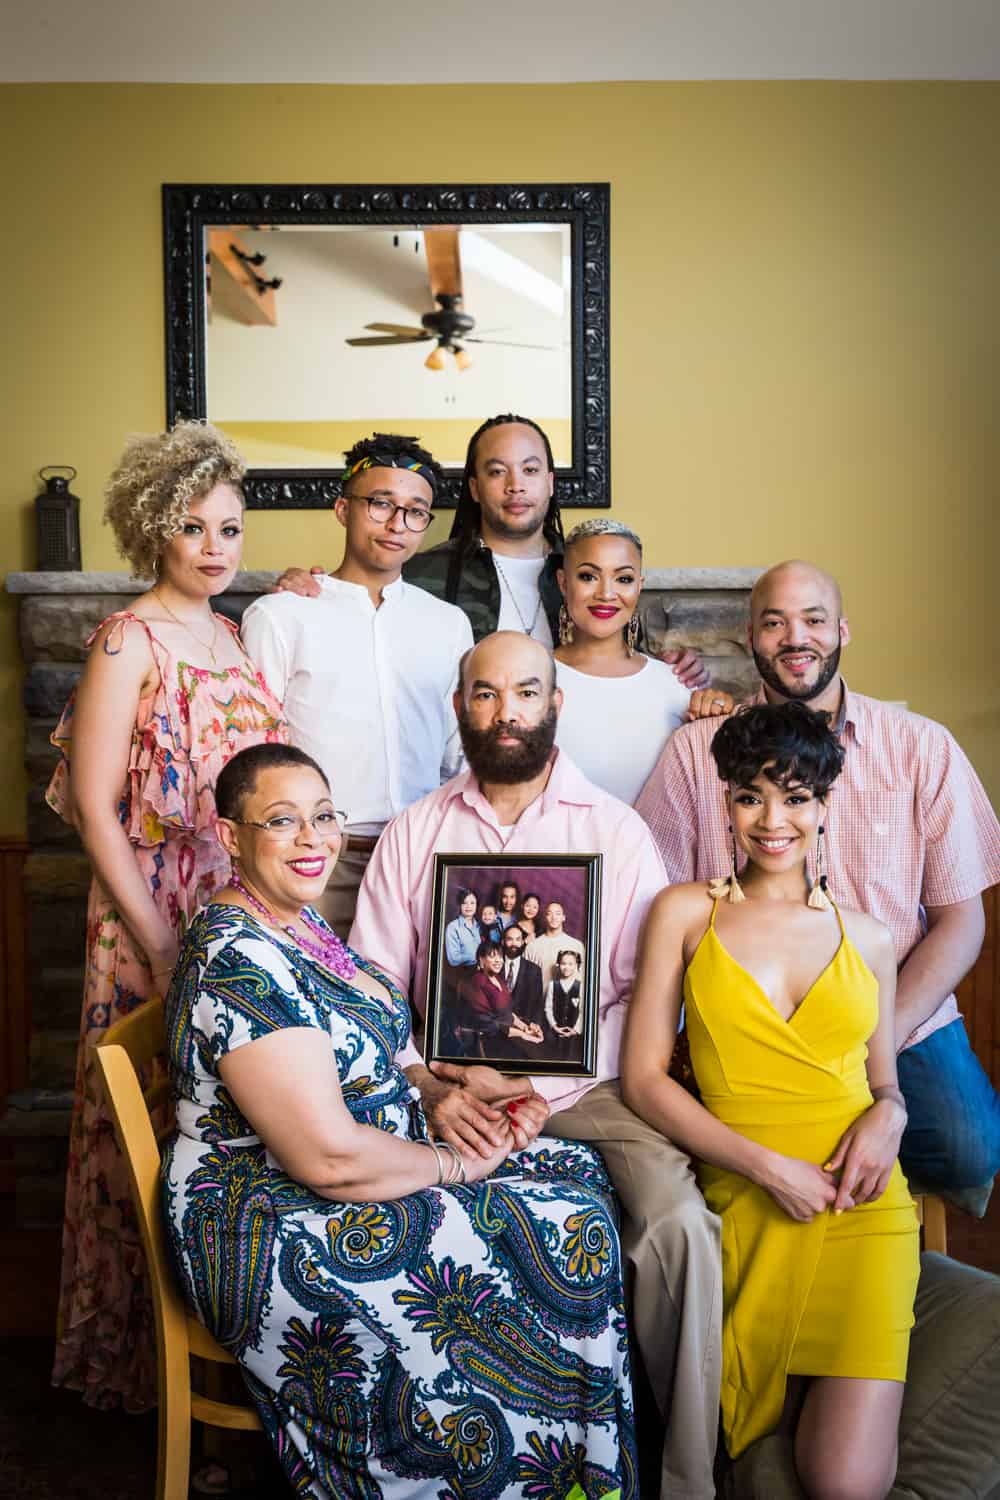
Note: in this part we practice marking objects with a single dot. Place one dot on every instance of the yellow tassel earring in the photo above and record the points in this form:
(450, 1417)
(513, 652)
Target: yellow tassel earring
(727, 887)
(818, 899)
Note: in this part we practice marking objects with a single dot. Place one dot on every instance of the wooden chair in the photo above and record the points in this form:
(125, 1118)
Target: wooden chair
(133, 1043)
(930, 1216)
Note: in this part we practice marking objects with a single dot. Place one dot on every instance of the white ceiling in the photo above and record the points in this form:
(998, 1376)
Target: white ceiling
(481, 41)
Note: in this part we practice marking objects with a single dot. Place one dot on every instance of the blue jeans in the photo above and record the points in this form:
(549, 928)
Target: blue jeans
(952, 1138)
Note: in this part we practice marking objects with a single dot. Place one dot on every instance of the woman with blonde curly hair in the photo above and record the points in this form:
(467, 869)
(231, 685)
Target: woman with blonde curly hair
(167, 697)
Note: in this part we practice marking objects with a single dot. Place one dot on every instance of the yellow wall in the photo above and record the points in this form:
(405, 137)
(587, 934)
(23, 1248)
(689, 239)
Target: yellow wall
(804, 315)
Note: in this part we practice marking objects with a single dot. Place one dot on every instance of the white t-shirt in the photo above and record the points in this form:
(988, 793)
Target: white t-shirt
(367, 692)
(518, 578)
(614, 728)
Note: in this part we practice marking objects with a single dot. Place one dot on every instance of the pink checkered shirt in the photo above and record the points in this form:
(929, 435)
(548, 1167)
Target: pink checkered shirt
(392, 923)
(908, 823)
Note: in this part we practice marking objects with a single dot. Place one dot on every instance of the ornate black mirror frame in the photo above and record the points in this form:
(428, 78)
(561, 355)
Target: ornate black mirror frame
(188, 209)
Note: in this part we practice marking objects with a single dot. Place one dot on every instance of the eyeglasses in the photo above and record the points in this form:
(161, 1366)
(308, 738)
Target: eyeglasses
(286, 826)
(415, 517)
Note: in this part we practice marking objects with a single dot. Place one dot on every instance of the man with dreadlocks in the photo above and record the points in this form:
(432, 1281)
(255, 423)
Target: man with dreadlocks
(366, 670)
(499, 564)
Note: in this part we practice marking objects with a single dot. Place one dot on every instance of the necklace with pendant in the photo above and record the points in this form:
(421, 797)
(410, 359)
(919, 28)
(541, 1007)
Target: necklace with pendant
(528, 629)
(192, 633)
(327, 950)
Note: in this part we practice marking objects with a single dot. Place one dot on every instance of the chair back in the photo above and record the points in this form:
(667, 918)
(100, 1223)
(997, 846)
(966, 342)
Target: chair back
(137, 1042)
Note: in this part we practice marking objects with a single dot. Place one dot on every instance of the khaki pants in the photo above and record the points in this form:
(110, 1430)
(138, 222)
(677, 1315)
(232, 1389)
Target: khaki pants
(673, 1269)
(336, 904)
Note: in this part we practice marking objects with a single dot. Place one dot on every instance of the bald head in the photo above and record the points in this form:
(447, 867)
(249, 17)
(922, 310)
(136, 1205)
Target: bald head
(510, 656)
(796, 634)
(507, 706)
(795, 579)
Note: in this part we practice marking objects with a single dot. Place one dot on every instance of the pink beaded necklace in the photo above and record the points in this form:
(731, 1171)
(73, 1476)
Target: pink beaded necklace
(327, 949)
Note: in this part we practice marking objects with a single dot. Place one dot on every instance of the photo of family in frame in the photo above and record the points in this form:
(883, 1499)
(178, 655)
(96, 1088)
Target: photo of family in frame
(513, 978)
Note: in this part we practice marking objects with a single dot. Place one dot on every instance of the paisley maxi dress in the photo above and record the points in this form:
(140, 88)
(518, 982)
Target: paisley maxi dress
(185, 732)
(467, 1341)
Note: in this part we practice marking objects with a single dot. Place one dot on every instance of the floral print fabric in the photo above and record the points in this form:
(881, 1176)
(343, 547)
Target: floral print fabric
(461, 1341)
(185, 732)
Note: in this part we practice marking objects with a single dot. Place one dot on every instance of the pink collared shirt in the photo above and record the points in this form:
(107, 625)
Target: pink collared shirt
(908, 824)
(571, 816)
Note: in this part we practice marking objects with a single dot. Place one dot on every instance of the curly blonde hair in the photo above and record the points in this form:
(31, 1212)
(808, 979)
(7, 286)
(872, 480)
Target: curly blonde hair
(157, 478)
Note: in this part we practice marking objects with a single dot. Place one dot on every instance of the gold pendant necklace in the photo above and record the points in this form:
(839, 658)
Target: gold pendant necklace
(192, 633)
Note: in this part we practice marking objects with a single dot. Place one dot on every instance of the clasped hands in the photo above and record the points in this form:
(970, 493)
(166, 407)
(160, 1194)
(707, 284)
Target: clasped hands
(863, 1160)
(478, 1109)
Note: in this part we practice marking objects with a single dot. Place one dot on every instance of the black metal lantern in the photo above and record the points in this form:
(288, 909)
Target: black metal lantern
(57, 521)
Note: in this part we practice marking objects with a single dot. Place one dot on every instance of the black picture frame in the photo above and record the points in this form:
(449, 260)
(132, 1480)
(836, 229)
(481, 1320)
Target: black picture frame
(189, 208)
(459, 1027)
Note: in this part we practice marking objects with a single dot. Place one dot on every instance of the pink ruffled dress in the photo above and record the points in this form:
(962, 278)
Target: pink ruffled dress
(184, 734)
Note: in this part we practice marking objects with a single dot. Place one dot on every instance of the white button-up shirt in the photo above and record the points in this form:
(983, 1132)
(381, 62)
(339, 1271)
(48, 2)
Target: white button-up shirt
(367, 692)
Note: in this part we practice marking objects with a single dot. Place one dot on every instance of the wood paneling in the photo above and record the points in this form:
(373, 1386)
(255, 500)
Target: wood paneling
(979, 993)
(15, 1013)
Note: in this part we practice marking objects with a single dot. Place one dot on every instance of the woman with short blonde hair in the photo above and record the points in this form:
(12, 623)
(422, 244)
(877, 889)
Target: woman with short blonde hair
(167, 696)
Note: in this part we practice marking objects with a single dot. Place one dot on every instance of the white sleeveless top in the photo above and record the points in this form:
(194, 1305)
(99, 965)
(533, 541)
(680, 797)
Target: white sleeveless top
(614, 728)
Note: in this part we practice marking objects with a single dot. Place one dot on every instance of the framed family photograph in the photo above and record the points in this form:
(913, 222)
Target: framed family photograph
(514, 973)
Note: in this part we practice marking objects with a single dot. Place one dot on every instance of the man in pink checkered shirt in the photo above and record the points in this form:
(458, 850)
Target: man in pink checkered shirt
(910, 837)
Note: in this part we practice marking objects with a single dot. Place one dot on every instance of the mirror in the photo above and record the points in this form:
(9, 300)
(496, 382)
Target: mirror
(300, 319)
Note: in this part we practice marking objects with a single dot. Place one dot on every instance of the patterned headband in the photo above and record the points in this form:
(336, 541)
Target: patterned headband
(387, 461)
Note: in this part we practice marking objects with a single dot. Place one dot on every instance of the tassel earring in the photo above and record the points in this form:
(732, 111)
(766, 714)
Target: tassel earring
(818, 899)
(632, 634)
(728, 888)
(565, 627)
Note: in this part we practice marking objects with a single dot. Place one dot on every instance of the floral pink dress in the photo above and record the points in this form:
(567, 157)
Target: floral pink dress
(185, 732)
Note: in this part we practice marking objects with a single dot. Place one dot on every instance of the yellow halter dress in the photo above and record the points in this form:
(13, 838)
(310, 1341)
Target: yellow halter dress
(834, 1296)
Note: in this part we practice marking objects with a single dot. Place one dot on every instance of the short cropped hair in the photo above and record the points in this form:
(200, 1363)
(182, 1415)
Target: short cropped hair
(157, 478)
(238, 778)
(787, 741)
(486, 947)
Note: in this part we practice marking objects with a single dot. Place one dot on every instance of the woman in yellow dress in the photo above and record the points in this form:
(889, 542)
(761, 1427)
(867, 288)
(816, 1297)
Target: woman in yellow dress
(789, 1013)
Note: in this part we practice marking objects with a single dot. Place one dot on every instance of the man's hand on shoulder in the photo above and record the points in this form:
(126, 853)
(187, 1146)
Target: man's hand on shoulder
(298, 581)
(688, 667)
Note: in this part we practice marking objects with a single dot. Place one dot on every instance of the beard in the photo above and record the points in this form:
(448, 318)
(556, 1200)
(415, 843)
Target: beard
(798, 692)
(506, 765)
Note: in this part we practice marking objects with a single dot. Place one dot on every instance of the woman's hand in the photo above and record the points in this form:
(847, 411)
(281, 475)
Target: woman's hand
(527, 1114)
(800, 1188)
(709, 703)
(298, 581)
(866, 1154)
(477, 1167)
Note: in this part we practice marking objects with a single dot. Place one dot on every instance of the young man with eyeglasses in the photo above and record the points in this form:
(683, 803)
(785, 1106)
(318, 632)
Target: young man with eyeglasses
(367, 669)
(500, 562)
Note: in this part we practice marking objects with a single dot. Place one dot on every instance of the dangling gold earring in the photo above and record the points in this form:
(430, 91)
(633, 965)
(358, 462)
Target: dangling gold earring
(728, 888)
(818, 899)
(565, 627)
(632, 634)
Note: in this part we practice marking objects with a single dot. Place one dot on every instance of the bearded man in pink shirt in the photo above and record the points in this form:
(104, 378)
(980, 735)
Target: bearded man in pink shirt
(909, 837)
(520, 795)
